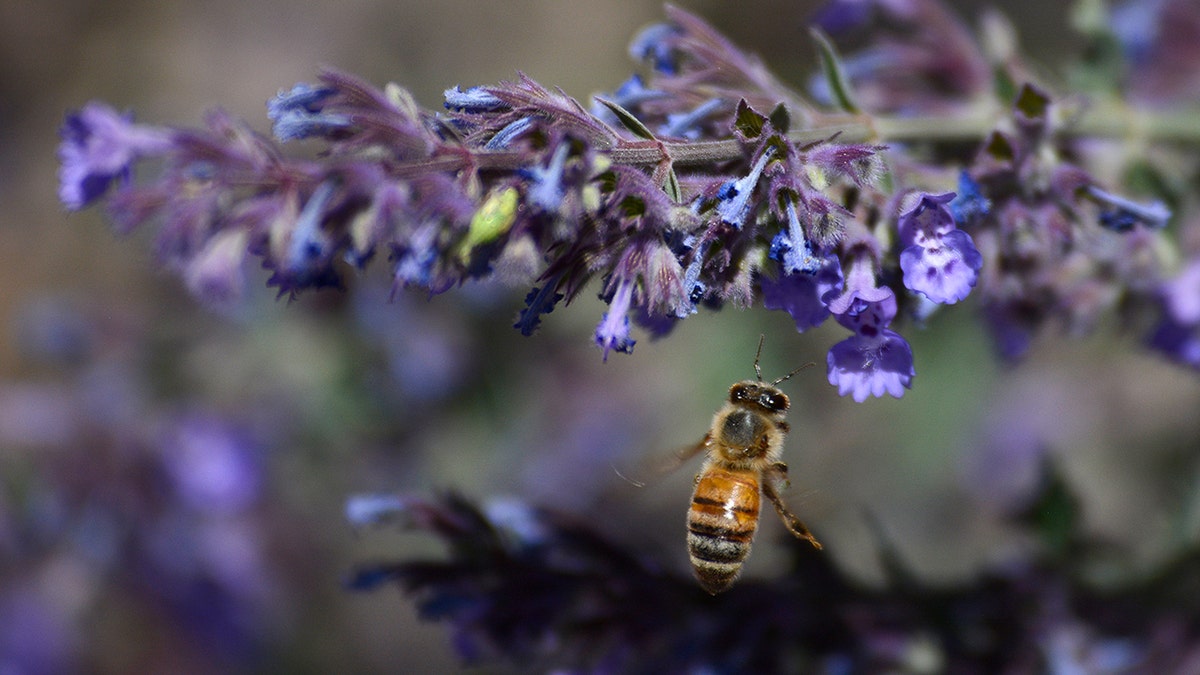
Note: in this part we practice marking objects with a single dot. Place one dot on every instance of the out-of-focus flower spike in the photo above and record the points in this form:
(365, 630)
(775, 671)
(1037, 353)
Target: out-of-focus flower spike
(99, 146)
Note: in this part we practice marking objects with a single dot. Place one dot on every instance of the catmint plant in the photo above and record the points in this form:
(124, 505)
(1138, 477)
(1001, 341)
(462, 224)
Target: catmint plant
(926, 168)
(701, 182)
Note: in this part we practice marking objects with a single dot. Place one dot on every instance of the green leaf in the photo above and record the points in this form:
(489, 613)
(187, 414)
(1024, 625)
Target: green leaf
(835, 75)
(780, 118)
(1032, 102)
(628, 119)
(748, 123)
(671, 186)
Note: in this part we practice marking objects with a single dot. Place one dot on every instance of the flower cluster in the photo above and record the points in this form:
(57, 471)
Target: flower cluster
(689, 187)
(704, 182)
(533, 588)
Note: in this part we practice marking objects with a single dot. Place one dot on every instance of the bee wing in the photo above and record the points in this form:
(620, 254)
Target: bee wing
(655, 468)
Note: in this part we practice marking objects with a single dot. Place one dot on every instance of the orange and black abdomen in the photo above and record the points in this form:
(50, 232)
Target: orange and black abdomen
(721, 524)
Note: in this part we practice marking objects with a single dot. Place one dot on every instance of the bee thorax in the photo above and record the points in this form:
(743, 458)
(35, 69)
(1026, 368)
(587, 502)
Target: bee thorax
(742, 429)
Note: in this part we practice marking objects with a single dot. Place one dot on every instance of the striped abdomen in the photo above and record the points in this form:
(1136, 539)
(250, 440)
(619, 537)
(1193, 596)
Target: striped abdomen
(721, 524)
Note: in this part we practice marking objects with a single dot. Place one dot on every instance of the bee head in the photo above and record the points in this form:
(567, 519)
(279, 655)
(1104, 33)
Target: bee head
(762, 395)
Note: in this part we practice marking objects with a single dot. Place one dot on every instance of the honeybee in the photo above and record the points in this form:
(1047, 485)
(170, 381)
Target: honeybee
(744, 446)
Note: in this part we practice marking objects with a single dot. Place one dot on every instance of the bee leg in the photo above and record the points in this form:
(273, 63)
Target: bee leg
(781, 469)
(774, 481)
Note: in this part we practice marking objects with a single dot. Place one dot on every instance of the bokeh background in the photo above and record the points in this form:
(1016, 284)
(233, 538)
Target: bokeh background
(172, 478)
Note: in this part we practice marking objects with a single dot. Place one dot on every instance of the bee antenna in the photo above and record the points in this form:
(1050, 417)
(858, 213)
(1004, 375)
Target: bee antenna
(810, 363)
(757, 370)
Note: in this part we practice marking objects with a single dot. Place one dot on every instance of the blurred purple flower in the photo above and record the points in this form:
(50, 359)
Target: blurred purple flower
(99, 146)
(1178, 332)
(296, 113)
(214, 466)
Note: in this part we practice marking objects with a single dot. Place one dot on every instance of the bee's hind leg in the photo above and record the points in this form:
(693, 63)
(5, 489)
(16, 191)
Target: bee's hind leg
(775, 480)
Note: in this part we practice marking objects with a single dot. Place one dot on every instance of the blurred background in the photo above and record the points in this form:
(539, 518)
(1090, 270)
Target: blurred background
(172, 479)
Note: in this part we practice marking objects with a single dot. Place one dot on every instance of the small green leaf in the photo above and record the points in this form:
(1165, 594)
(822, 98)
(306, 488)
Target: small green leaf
(748, 123)
(492, 220)
(835, 75)
(628, 119)
(780, 118)
(1032, 102)
(671, 186)
(1000, 148)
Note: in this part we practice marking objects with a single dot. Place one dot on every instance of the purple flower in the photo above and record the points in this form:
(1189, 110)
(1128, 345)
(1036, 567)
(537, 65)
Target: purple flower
(213, 465)
(734, 198)
(970, 205)
(215, 274)
(791, 248)
(937, 259)
(545, 184)
(1120, 214)
(865, 366)
(99, 146)
(875, 360)
(297, 113)
(509, 133)
(538, 301)
(375, 509)
(1178, 332)
(613, 331)
(655, 44)
(687, 124)
(802, 294)
(631, 94)
(473, 100)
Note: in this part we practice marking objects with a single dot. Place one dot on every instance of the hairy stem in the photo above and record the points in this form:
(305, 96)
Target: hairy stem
(1114, 122)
